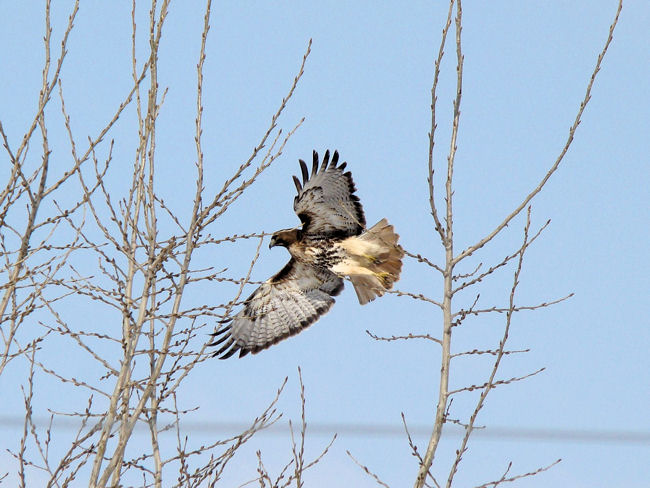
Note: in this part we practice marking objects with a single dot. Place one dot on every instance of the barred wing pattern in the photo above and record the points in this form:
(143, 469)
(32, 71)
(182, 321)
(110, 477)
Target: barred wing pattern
(326, 203)
(284, 305)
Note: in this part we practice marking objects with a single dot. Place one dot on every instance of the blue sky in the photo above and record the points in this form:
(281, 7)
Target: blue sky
(366, 92)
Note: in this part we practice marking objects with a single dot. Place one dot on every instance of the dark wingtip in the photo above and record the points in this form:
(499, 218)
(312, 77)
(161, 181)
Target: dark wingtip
(296, 182)
(303, 170)
(225, 353)
(216, 342)
(227, 350)
(326, 159)
(314, 165)
(335, 158)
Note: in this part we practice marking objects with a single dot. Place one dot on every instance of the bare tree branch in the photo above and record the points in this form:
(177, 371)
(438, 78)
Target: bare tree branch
(506, 479)
(367, 470)
(473, 248)
(448, 242)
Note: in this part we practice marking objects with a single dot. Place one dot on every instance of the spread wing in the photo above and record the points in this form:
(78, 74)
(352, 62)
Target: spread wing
(326, 203)
(284, 305)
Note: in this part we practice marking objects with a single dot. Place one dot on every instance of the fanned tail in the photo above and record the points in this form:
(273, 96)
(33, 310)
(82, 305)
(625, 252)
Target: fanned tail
(377, 261)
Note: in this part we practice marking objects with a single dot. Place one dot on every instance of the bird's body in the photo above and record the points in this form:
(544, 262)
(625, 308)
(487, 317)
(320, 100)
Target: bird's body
(332, 244)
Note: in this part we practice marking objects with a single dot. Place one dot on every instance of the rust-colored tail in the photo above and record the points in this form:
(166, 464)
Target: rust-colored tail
(379, 260)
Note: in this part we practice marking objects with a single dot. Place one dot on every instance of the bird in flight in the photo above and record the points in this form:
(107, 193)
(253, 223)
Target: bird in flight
(333, 243)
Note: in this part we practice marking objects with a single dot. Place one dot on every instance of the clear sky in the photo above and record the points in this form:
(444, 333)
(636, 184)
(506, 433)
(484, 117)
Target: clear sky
(366, 92)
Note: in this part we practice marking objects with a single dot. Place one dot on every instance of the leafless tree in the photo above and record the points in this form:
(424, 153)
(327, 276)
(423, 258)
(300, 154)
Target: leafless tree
(292, 472)
(33, 256)
(456, 285)
(55, 219)
(145, 254)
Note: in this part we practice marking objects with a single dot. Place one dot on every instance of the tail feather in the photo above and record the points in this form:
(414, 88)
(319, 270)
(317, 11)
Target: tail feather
(367, 287)
(377, 261)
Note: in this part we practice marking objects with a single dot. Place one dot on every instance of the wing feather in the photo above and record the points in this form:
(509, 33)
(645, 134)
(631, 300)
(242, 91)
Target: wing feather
(303, 170)
(284, 305)
(296, 182)
(326, 203)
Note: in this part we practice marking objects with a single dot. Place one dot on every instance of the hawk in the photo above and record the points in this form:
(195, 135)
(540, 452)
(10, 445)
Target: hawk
(333, 243)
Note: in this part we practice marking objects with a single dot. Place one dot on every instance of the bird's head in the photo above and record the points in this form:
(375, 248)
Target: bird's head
(284, 237)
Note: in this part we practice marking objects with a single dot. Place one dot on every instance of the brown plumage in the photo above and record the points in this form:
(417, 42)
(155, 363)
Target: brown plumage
(333, 243)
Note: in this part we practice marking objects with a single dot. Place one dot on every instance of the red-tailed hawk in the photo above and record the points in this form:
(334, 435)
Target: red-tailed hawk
(333, 243)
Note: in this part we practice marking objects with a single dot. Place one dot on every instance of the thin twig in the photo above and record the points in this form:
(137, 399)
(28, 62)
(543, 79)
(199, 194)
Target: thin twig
(482, 242)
